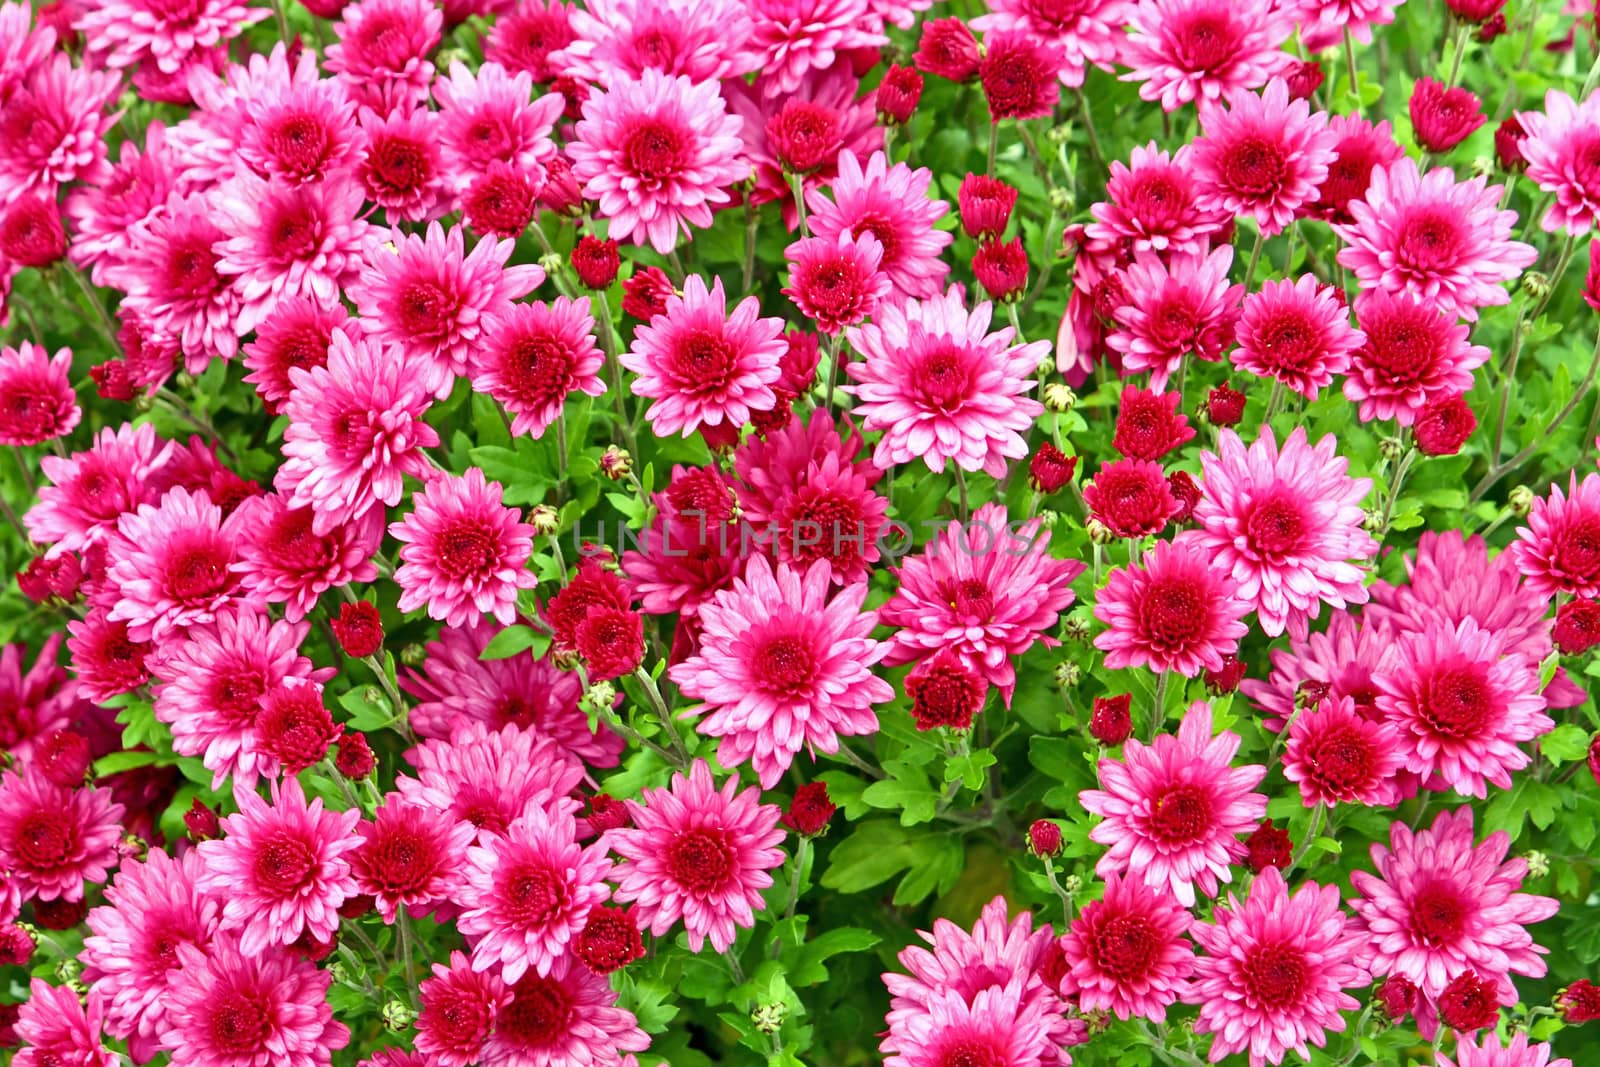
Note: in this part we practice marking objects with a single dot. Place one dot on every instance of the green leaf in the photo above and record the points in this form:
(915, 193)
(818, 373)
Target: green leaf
(808, 968)
(907, 791)
(1565, 744)
(937, 862)
(874, 853)
(515, 639)
(117, 762)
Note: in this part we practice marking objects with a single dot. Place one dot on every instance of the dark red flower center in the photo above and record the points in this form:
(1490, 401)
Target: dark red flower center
(397, 166)
(1180, 815)
(534, 894)
(1276, 527)
(401, 860)
(293, 231)
(704, 360)
(236, 690)
(192, 268)
(284, 865)
(290, 543)
(1578, 549)
(701, 861)
(1289, 340)
(1342, 760)
(971, 1054)
(882, 228)
(1126, 947)
(428, 310)
(1457, 703)
(1176, 612)
(46, 839)
(785, 666)
(1429, 241)
(1276, 975)
(457, 1019)
(943, 379)
(536, 369)
(655, 150)
(1255, 167)
(1404, 345)
(300, 144)
(539, 1014)
(467, 548)
(163, 947)
(1439, 914)
(382, 42)
(1205, 42)
(197, 572)
(240, 1024)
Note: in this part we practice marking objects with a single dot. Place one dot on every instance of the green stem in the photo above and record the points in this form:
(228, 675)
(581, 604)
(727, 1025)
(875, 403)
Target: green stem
(1255, 259)
(609, 344)
(403, 923)
(1500, 470)
(1066, 898)
(1158, 711)
(1462, 33)
(797, 186)
(660, 707)
(835, 346)
(801, 852)
(1095, 151)
(752, 221)
(1311, 834)
(994, 143)
(1350, 63)
(961, 486)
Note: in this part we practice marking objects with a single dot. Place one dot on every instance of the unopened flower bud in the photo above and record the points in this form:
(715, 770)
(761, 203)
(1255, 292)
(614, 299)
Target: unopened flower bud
(601, 697)
(68, 970)
(615, 463)
(1391, 448)
(397, 1017)
(413, 655)
(1068, 674)
(768, 1018)
(1058, 134)
(1060, 398)
(1072, 883)
(1536, 284)
(1372, 521)
(544, 519)
(1538, 864)
(1099, 532)
(1044, 838)
(1075, 628)
(1061, 200)
(1520, 501)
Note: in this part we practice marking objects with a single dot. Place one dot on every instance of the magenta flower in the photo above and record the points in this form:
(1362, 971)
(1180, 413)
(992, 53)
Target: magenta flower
(1084, 33)
(60, 1030)
(1171, 311)
(434, 301)
(1339, 756)
(52, 129)
(1559, 550)
(489, 115)
(698, 854)
(282, 560)
(37, 403)
(568, 1018)
(138, 184)
(94, 487)
(298, 332)
(998, 1026)
(52, 839)
(781, 666)
(705, 40)
(403, 170)
(528, 893)
(892, 203)
(1262, 157)
(174, 280)
(381, 54)
(280, 869)
(488, 778)
(1172, 810)
(1151, 204)
(703, 366)
(459, 1009)
(1204, 50)
(1285, 523)
(1172, 612)
(171, 565)
(790, 38)
(1444, 242)
(657, 153)
(130, 955)
(1276, 969)
(986, 590)
(355, 431)
(1462, 706)
(1562, 149)
(411, 856)
(1440, 905)
(1127, 954)
(123, 33)
(836, 283)
(1413, 352)
(1487, 1051)
(1296, 332)
(234, 1008)
(535, 355)
(942, 387)
(464, 552)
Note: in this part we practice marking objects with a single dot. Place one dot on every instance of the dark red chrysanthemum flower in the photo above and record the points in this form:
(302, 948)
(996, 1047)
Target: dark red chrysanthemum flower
(1149, 425)
(611, 642)
(1131, 498)
(1268, 846)
(1044, 838)
(1226, 680)
(1470, 1002)
(644, 296)
(898, 94)
(609, 941)
(1050, 469)
(63, 757)
(359, 629)
(1225, 405)
(1001, 267)
(1018, 72)
(1579, 1002)
(1111, 721)
(1397, 995)
(945, 691)
(31, 233)
(354, 757)
(810, 809)
(1443, 426)
(201, 822)
(596, 261)
(1443, 118)
(948, 50)
(1577, 627)
(985, 205)
(294, 726)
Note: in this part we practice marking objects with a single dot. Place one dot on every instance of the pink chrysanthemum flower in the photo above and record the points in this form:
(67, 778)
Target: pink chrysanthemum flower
(94, 487)
(296, 125)
(1172, 612)
(1127, 953)
(1204, 50)
(1559, 550)
(998, 953)
(1562, 148)
(1285, 522)
(37, 403)
(705, 40)
(1487, 1051)
(1440, 905)
(465, 553)
(534, 356)
(213, 682)
(568, 1018)
(1297, 333)
(130, 955)
(1276, 969)
(235, 1008)
(171, 565)
(1151, 206)
(297, 333)
(411, 856)
(23, 46)
(836, 283)
(1322, 22)
(986, 589)
(402, 170)
(1413, 351)
(102, 215)
(488, 115)
(382, 51)
(106, 662)
(698, 854)
(703, 366)
(281, 560)
(355, 431)
(529, 892)
(1339, 756)
(127, 32)
(280, 869)
(174, 280)
(782, 666)
(459, 1009)
(1462, 706)
(1171, 311)
(1262, 156)
(60, 1030)
(657, 153)
(1172, 810)
(53, 840)
(1446, 243)
(37, 702)
(287, 240)
(52, 129)
(488, 778)
(1360, 149)
(790, 38)
(997, 1027)
(1084, 32)
(456, 689)
(943, 387)
(892, 203)
(688, 553)
(434, 301)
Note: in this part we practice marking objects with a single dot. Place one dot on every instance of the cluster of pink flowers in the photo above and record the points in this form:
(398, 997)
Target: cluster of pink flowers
(329, 751)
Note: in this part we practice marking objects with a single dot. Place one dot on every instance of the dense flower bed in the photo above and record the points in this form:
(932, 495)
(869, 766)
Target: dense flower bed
(804, 532)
